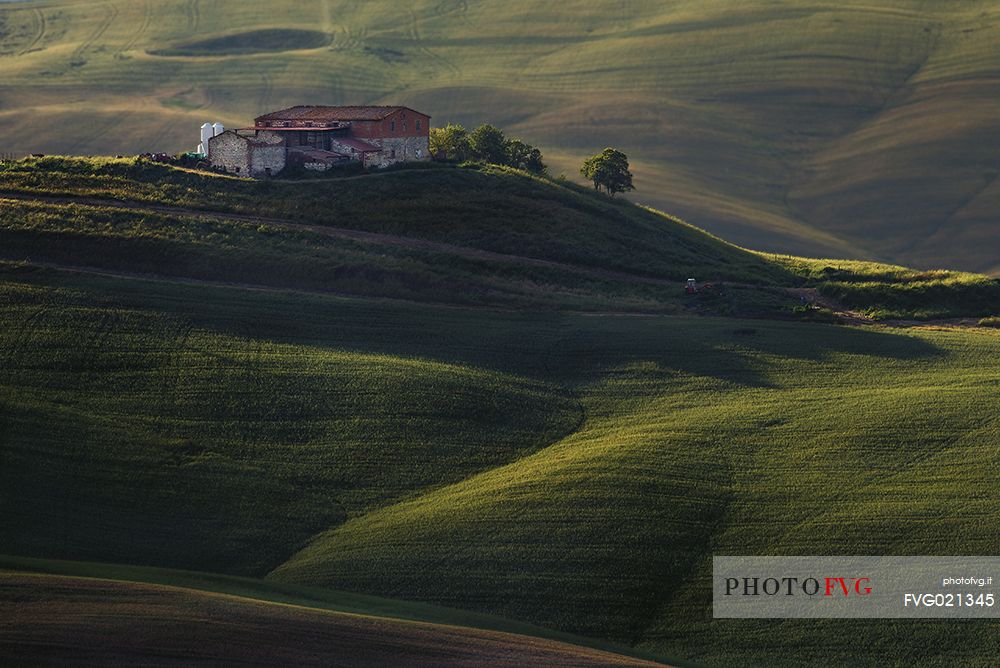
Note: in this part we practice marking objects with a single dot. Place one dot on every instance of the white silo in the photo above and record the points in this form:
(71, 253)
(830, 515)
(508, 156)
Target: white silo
(206, 134)
(217, 129)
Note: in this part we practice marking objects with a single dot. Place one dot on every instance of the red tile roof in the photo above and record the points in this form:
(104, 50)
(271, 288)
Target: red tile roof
(321, 113)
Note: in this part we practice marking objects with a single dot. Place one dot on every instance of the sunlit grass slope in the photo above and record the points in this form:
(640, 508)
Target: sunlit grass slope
(884, 291)
(813, 127)
(703, 439)
(568, 470)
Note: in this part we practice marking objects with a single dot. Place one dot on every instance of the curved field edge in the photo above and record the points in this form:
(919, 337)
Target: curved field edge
(309, 598)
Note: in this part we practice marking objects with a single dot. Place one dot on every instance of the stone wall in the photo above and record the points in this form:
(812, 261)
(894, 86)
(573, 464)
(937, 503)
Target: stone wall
(407, 149)
(230, 151)
(345, 149)
(266, 159)
(263, 153)
(260, 154)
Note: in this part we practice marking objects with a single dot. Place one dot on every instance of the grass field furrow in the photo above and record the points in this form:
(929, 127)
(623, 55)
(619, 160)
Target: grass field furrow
(140, 33)
(39, 16)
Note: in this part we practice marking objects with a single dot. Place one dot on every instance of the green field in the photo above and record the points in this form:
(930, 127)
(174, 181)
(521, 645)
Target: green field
(847, 129)
(197, 374)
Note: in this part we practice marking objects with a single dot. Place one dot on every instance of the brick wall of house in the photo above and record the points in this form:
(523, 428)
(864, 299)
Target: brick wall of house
(402, 123)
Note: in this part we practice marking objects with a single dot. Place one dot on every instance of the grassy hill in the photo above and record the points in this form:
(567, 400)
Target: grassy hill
(464, 387)
(475, 237)
(846, 129)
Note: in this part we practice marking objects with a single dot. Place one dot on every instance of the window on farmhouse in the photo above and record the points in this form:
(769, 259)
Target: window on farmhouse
(404, 126)
(392, 126)
(392, 153)
(416, 124)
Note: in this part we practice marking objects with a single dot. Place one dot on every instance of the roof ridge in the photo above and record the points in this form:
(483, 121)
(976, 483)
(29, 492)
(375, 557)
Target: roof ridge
(328, 112)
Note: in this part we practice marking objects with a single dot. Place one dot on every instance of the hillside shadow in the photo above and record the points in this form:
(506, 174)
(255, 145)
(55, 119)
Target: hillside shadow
(740, 352)
(569, 349)
(271, 40)
(562, 348)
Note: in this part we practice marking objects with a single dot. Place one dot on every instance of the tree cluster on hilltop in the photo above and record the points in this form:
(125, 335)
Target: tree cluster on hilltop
(608, 170)
(486, 143)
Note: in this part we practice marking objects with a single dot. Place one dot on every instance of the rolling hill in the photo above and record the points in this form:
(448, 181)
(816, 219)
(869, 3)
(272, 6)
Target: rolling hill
(848, 129)
(464, 387)
(484, 236)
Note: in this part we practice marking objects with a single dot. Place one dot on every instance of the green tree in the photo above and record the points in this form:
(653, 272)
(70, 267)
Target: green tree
(486, 143)
(452, 141)
(609, 170)
(524, 156)
(489, 144)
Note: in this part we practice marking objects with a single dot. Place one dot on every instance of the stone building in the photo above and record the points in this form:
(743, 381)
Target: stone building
(379, 136)
(318, 137)
(248, 152)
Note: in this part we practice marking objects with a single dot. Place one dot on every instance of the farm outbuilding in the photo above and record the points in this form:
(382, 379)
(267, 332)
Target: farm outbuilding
(248, 153)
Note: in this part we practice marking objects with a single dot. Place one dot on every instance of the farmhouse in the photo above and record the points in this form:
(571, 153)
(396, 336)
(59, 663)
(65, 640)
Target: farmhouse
(318, 137)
